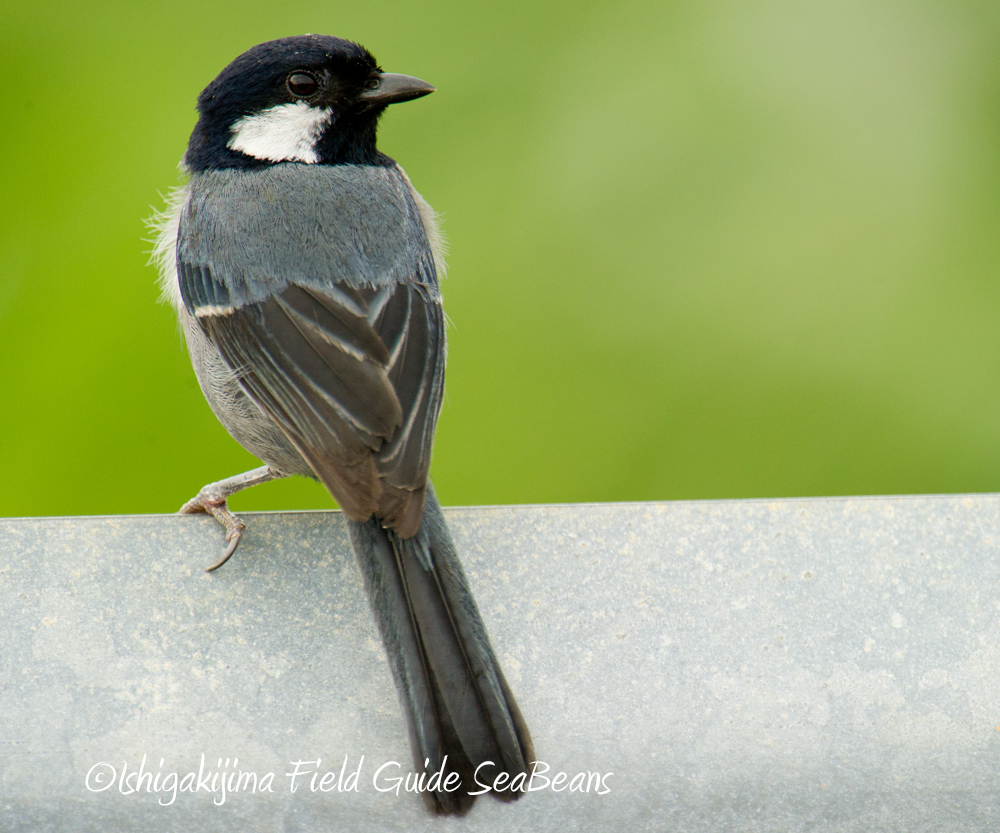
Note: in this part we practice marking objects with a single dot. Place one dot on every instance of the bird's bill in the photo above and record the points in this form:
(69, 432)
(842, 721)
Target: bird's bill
(393, 88)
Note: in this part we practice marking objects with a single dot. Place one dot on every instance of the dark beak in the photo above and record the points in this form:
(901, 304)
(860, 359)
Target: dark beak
(393, 88)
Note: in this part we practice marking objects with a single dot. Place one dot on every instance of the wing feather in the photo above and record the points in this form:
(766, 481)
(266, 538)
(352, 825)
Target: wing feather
(332, 323)
(353, 377)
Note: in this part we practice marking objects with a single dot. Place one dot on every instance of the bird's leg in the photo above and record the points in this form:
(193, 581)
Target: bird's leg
(212, 500)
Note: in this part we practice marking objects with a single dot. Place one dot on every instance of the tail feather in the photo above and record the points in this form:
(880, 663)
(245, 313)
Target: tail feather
(457, 702)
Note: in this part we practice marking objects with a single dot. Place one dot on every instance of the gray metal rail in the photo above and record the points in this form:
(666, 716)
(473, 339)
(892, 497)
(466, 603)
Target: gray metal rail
(824, 664)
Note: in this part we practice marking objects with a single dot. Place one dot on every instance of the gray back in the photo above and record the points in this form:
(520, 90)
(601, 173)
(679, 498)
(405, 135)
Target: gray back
(315, 225)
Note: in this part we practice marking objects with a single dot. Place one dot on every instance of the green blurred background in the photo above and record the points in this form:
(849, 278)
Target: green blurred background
(698, 249)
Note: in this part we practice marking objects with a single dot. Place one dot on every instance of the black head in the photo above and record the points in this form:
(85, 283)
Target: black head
(312, 98)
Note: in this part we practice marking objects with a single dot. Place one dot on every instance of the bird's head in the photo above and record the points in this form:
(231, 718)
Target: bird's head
(313, 99)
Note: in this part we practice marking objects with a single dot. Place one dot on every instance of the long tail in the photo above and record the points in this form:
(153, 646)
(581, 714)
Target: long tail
(456, 699)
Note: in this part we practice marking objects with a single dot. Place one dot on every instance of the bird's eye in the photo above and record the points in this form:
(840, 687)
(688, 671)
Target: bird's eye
(302, 84)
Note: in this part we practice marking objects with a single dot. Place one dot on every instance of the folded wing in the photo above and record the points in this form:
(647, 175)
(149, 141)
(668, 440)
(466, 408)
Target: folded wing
(352, 376)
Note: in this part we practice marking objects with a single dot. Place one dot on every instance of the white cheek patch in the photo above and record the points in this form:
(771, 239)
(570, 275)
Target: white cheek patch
(284, 133)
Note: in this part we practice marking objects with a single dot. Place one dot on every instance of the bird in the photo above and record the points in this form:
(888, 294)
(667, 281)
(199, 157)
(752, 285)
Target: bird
(304, 269)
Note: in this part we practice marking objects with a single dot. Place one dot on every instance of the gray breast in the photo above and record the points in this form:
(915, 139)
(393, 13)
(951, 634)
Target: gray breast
(239, 415)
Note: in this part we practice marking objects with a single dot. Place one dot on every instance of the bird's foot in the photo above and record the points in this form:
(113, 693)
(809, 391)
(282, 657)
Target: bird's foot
(213, 503)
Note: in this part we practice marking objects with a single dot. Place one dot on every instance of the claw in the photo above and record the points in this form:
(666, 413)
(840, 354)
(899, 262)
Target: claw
(234, 541)
(218, 508)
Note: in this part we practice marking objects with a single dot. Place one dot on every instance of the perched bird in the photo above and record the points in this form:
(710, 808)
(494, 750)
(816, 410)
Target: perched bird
(304, 268)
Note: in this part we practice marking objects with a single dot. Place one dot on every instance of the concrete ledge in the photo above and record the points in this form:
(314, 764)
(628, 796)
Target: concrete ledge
(746, 665)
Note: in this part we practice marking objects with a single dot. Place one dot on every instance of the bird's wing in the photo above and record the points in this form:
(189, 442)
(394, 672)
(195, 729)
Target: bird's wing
(351, 372)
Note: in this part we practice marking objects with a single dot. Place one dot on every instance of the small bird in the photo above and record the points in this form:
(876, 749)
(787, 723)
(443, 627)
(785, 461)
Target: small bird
(304, 268)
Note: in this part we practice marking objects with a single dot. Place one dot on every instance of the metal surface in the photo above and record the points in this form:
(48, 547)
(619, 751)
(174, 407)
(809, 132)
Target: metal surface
(828, 664)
